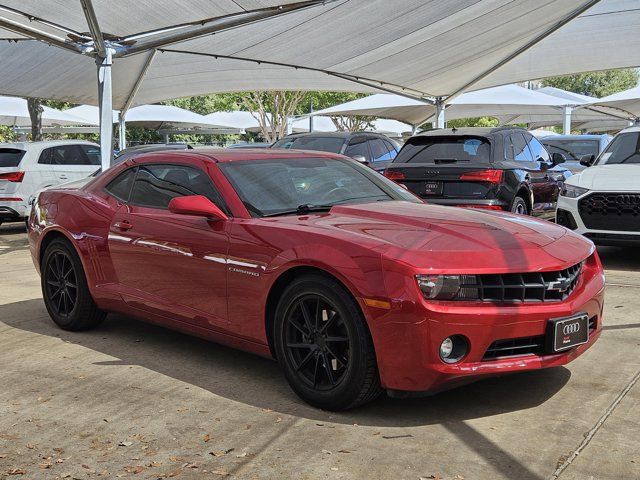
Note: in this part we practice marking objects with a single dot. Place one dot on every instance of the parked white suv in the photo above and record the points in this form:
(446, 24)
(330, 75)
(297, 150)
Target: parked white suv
(603, 201)
(27, 167)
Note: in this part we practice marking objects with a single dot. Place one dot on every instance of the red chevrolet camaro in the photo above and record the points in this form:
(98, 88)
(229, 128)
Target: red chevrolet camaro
(347, 279)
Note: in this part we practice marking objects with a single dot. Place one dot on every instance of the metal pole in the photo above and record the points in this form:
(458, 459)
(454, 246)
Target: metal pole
(105, 104)
(566, 125)
(439, 112)
(122, 132)
(311, 116)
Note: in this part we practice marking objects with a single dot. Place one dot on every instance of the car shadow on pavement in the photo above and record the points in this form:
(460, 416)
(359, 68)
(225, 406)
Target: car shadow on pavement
(237, 375)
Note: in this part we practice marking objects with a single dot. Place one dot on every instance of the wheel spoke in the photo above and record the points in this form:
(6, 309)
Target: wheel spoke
(331, 318)
(327, 368)
(305, 360)
(298, 327)
(315, 371)
(343, 360)
(336, 339)
(307, 316)
(56, 293)
(300, 345)
(317, 318)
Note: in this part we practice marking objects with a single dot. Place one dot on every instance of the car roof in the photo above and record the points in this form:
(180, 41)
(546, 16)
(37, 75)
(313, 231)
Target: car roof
(635, 128)
(572, 137)
(332, 134)
(467, 131)
(235, 154)
(45, 144)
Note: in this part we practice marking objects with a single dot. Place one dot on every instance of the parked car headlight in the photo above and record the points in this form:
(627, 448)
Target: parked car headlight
(448, 287)
(571, 191)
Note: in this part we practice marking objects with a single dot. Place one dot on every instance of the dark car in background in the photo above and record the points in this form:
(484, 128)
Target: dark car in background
(502, 168)
(372, 149)
(576, 147)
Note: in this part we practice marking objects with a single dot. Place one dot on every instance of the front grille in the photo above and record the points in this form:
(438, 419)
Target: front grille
(611, 211)
(521, 287)
(517, 347)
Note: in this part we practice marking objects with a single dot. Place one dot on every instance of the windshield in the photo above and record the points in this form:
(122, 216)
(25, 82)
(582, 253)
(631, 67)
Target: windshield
(283, 186)
(573, 150)
(10, 157)
(442, 150)
(320, 144)
(624, 148)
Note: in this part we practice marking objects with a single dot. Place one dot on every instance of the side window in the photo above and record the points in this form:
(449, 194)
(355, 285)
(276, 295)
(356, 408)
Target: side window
(393, 151)
(359, 148)
(521, 152)
(379, 151)
(92, 153)
(156, 185)
(46, 156)
(120, 187)
(539, 153)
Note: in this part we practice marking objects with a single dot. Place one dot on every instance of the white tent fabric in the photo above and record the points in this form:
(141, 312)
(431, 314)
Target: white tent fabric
(14, 112)
(421, 48)
(157, 117)
(626, 102)
(240, 120)
(321, 123)
(570, 98)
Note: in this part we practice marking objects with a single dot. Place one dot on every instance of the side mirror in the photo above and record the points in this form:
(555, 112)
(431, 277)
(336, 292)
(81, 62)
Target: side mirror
(197, 205)
(587, 160)
(557, 158)
(361, 159)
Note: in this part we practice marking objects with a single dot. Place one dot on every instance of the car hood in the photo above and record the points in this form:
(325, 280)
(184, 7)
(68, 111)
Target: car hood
(453, 239)
(618, 178)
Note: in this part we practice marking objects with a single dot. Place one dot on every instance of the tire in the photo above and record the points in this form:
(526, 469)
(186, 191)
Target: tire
(519, 206)
(328, 357)
(65, 291)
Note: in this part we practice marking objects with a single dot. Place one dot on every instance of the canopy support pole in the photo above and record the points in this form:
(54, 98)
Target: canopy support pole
(122, 132)
(566, 124)
(105, 104)
(439, 103)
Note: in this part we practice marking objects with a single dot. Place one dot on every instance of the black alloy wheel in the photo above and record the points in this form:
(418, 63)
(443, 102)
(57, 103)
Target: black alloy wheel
(64, 288)
(323, 345)
(317, 342)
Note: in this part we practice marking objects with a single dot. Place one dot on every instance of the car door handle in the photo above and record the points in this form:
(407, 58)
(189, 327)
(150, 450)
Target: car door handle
(123, 225)
(63, 177)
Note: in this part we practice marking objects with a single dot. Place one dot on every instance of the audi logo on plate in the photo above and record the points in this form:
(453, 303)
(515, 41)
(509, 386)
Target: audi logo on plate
(571, 328)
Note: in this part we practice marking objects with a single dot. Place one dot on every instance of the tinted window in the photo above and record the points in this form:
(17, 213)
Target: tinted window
(625, 148)
(572, 149)
(521, 152)
(443, 150)
(281, 185)
(321, 144)
(68, 155)
(358, 147)
(538, 151)
(156, 185)
(393, 150)
(93, 153)
(379, 151)
(10, 157)
(120, 188)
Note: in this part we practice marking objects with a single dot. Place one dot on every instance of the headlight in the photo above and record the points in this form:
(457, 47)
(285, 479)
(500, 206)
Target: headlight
(571, 191)
(448, 287)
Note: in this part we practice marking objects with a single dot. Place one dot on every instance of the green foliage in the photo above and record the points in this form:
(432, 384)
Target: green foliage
(596, 84)
(206, 104)
(7, 134)
(473, 122)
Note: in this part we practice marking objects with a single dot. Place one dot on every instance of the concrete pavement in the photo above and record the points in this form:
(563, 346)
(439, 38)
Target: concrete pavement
(134, 400)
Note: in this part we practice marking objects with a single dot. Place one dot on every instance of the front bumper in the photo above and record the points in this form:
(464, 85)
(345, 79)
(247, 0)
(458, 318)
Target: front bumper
(407, 351)
(568, 209)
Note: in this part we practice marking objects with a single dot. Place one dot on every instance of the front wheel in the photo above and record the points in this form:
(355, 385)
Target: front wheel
(519, 206)
(65, 291)
(323, 345)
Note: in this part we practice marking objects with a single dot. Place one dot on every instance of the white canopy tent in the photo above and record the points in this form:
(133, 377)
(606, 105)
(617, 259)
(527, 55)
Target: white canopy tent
(627, 103)
(426, 50)
(15, 113)
(391, 128)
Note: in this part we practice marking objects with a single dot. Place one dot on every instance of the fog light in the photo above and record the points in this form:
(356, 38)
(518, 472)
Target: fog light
(453, 348)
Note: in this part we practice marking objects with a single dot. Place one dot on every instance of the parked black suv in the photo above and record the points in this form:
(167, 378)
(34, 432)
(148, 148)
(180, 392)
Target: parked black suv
(493, 168)
(370, 148)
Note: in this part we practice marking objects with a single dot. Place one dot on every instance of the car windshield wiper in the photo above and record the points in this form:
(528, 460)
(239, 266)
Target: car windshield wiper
(301, 210)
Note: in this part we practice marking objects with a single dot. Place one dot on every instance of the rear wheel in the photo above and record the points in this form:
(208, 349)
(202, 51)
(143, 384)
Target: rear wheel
(323, 345)
(519, 206)
(65, 291)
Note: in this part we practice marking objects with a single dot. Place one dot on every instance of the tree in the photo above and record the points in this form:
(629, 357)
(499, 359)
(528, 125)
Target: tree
(595, 84)
(353, 124)
(272, 111)
(35, 112)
